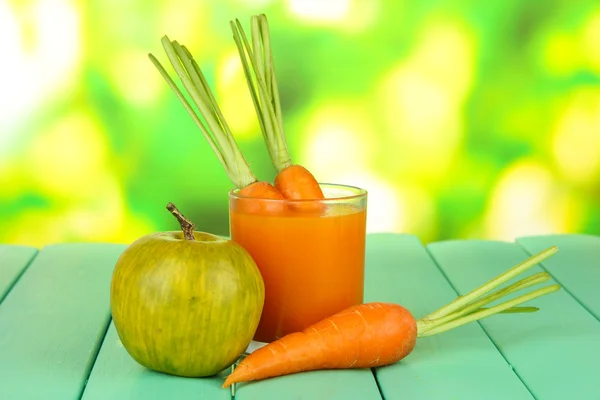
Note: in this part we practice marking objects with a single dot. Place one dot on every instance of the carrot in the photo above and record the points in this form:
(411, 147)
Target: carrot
(293, 181)
(216, 131)
(377, 334)
(296, 182)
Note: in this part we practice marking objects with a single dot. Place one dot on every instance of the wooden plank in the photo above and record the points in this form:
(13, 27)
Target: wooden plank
(576, 266)
(554, 351)
(13, 261)
(118, 376)
(53, 321)
(458, 364)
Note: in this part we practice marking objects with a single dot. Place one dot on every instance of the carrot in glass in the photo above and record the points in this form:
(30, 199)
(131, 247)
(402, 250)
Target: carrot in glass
(376, 334)
(217, 133)
(293, 181)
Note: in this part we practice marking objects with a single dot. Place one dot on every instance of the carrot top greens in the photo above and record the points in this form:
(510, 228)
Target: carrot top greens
(469, 308)
(262, 83)
(216, 131)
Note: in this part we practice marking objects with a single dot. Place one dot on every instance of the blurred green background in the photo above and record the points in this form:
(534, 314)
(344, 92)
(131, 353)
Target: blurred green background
(461, 119)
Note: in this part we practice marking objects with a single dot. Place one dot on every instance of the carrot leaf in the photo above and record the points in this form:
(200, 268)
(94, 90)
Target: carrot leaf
(259, 69)
(492, 284)
(470, 308)
(490, 311)
(540, 277)
(214, 128)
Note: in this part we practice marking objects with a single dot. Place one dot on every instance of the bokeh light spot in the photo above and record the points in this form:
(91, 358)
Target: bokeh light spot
(337, 139)
(576, 143)
(591, 39)
(135, 77)
(68, 157)
(527, 200)
(233, 96)
(317, 10)
(347, 15)
(557, 45)
(422, 99)
(41, 50)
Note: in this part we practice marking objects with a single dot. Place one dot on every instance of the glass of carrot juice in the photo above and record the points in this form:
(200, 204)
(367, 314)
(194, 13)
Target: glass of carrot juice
(311, 254)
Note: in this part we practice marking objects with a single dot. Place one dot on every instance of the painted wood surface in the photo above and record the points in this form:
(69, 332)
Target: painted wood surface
(53, 321)
(57, 341)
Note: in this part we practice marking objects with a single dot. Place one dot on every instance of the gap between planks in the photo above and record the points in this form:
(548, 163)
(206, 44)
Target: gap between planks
(377, 383)
(92, 363)
(19, 275)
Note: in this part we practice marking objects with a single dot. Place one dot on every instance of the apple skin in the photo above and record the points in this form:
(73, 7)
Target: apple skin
(186, 307)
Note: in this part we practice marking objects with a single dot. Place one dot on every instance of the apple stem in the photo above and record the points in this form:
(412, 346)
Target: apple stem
(187, 226)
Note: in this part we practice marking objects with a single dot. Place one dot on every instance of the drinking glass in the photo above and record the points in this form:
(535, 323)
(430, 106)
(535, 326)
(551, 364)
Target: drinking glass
(311, 254)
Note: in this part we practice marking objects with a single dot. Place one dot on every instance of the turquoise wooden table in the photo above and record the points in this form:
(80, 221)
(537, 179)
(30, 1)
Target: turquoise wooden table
(57, 340)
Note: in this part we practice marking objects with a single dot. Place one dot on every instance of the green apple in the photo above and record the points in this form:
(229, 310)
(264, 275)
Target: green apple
(186, 303)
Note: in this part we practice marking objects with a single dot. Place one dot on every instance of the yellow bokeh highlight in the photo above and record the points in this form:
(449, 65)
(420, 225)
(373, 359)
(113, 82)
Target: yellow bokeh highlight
(175, 19)
(445, 54)
(68, 159)
(576, 141)
(234, 99)
(422, 99)
(591, 40)
(528, 200)
(562, 53)
(12, 182)
(348, 15)
(40, 54)
(418, 210)
(317, 10)
(135, 78)
(254, 3)
(338, 137)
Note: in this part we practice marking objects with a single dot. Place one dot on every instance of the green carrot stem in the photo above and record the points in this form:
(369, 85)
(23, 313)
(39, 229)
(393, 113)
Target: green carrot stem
(540, 277)
(272, 135)
(265, 93)
(514, 310)
(199, 84)
(274, 89)
(489, 311)
(248, 75)
(188, 107)
(258, 50)
(216, 130)
(187, 73)
(461, 301)
(256, 86)
(197, 75)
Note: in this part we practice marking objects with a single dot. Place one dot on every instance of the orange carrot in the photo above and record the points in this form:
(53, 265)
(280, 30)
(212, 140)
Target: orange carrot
(250, 200)
(295, 182)
(217, 131)
(377, 334)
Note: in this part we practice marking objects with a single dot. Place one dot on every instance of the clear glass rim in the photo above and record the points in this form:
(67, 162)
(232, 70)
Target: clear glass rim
(357, 193)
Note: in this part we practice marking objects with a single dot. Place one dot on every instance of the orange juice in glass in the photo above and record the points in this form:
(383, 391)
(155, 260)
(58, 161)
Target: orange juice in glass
(311, 254)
